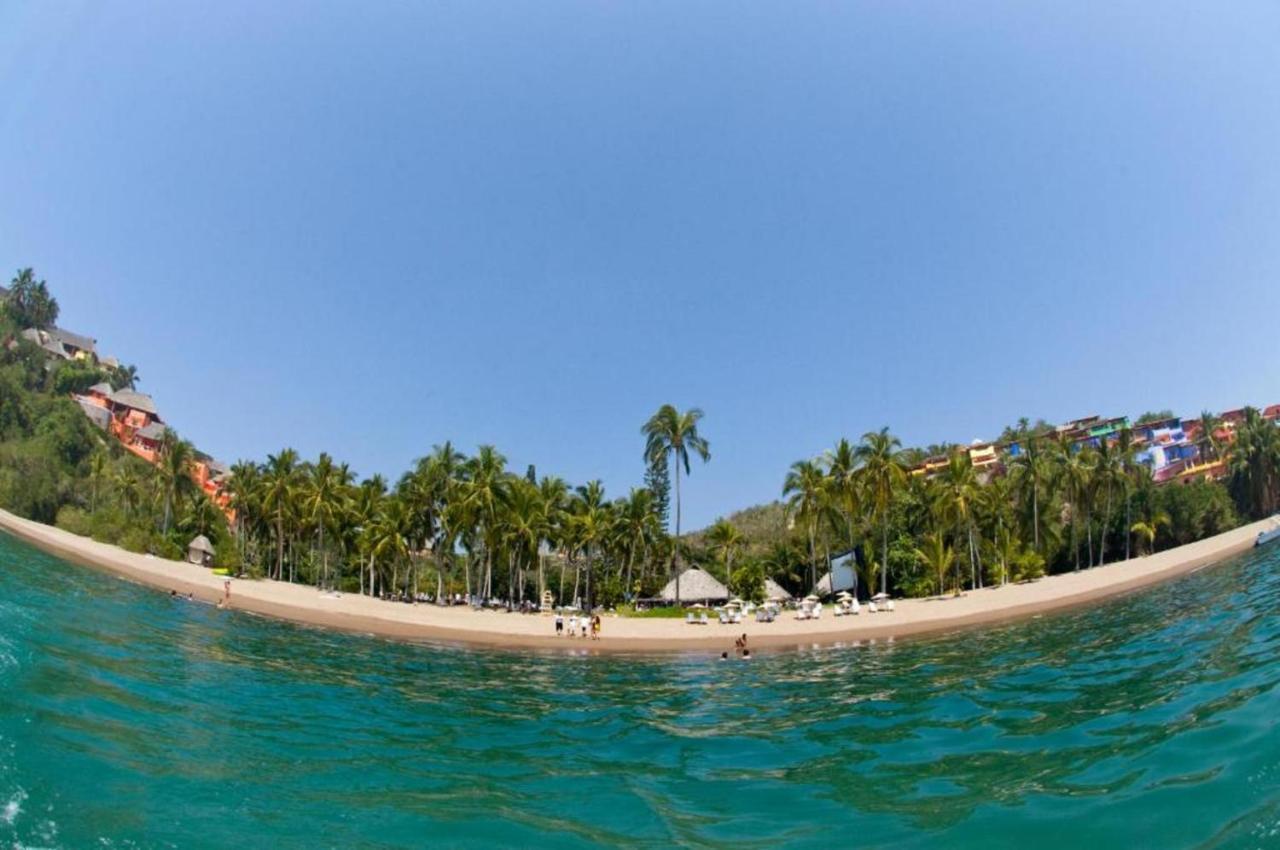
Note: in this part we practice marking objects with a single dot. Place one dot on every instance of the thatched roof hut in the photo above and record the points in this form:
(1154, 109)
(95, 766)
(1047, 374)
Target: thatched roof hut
(695, 586)
(200, 551)
(773, 590)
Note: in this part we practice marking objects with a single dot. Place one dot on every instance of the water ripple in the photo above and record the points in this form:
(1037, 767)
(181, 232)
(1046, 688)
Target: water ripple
(129, 719)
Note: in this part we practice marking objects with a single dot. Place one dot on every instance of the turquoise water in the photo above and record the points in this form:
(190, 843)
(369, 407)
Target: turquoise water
(128, 719)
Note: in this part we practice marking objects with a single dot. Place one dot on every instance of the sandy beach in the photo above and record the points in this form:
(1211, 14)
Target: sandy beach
(459, 624)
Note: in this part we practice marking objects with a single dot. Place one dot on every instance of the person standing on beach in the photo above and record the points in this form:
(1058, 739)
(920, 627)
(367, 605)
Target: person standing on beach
(559, 624)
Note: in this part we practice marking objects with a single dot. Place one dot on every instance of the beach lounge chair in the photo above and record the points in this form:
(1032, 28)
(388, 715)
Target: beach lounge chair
(871, 607)
(817, 611)
(888, 605)
(724, 618)
(688, 617)
(705, 621)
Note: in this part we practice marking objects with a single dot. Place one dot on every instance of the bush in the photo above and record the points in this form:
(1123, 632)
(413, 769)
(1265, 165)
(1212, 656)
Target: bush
(1028, 565)
(74, 520)
(135, 540)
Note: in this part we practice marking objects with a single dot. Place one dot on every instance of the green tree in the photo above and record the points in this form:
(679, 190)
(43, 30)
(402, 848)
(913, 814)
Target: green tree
(805, 490)
(674, 434)
(883, 474)
(174, 468)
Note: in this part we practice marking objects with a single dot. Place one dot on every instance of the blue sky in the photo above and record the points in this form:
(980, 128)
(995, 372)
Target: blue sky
(368, 228)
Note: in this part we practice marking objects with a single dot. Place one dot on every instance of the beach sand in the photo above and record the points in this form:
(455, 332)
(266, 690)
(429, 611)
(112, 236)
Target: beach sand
(461, 625)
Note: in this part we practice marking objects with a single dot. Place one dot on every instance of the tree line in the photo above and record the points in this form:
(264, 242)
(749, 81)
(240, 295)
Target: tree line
(467, 524)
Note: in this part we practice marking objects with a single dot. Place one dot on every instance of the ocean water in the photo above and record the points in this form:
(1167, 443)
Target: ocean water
(131, 720)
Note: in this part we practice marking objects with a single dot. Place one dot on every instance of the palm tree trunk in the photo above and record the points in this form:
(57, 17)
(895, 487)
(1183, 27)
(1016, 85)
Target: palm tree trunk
(884, 553)
(1035, 512)
(1128, 519)
(675, 550)
(974, 566)
(813, 560)
(1088, 524)
(279, 546)
(1102, 538)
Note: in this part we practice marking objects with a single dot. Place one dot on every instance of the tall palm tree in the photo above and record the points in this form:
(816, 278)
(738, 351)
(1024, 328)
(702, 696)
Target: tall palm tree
(1128, 473)
(1108, 469)
(176, 459)
(883, 473)
(279, 482)
(1030, 471)
(487, 476)
(592, 520)
(1075, 473)
(323, 502)
(672, 433)
(960, 486)
(639, 527)
(390, 542)
(806, 491)
(97, 473)
(842, 469)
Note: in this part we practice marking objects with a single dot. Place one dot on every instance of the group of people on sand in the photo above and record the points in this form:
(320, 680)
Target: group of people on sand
(190, 597)
(739, 648)
(588, 624)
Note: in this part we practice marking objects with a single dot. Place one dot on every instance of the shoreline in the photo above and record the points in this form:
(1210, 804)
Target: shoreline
(426, 622)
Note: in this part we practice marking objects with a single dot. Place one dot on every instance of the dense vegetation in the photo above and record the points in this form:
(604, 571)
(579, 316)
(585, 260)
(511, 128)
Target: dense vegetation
(56, 467)
(458, 523)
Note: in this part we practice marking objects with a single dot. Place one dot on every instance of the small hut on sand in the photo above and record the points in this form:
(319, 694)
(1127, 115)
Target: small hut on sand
(775, 591)
(695, 586)
(200, 551)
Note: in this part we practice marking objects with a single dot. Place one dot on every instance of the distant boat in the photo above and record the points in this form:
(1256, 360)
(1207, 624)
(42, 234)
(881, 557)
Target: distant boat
(1267, 536)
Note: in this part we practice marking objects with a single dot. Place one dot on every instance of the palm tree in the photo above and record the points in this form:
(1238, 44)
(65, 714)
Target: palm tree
(960, 487)
(176, 457)
(130, 487)
(592, 520)
(125, 376)
(883, 474)
(842, 469)
(1075, 470)
(389, 541)
(1030, 471)
(935, 554)
(486, 480)
(323, 501)
(278, 485)
(726, 540)
(366, 510)
(672, 433)
(97, 472)
(639, 526)
(1129, 474)
(1108, 470)
(806, 489)
(1208, 442)
(1255, 464)
(1146, 530)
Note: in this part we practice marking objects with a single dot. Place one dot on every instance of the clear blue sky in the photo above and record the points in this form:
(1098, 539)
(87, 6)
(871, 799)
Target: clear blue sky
(371, 228)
